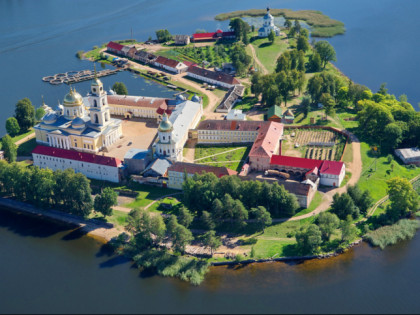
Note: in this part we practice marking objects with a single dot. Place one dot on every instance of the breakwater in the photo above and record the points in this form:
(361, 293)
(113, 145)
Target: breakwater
(71, 77)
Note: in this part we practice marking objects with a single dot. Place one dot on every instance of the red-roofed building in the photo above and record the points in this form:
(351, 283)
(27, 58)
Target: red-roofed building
(170, 64)
(266, 144)
(331, 173)
(91, 165)
(219, 34)
(212, 77)
(114, 48)
(177, 170)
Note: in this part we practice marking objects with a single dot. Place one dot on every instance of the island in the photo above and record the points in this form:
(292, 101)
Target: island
(266, 152)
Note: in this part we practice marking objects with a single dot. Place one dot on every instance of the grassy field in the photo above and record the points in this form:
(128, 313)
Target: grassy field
(268, 53)
(232, 159)
(322, 25)
(117, 218)
(26, 148)
(246, 104)
(376, 171)
(147, 194)
(157, 206)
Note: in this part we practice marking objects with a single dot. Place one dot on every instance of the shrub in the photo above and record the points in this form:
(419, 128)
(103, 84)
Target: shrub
(248, 241)
(79, 54)
(392, 234)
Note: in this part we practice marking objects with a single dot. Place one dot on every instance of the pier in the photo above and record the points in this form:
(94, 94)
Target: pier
(78, 76)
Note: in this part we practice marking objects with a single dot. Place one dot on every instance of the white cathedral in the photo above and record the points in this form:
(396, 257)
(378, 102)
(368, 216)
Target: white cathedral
(268, 26)
(79, 126)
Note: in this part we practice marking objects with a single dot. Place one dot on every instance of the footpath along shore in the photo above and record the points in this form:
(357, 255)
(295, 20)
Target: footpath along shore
(104, 232)
(100, 231)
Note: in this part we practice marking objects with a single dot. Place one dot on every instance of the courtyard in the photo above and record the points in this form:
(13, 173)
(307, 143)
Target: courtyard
(137, 133)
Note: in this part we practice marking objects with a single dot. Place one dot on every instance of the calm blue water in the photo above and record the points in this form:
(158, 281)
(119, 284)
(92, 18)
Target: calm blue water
(46, 269)
(40, 38)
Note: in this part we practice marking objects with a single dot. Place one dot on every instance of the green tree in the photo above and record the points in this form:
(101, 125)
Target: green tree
(25, 114)
(184, 216)
(120, 88)
(327, 223)
(181, 238)
(363, 200)
(305, 105)
(326, 52)
(304, 32)
(403, 197)
(393, 136)
(343, 205)
(105, 201)
(348, 230)
(287, 24)
(271, 36)
(12, 126)
(163, 36)
(171, 225)
(262, 217)
(211, 241)
(9, 148)
(283, 62)
(297, 26)
(329, 105)
(315, 62)
(383, 90)
(207, 220)
(39, 113)
(240, 27)
(302, 43)
(309, 239)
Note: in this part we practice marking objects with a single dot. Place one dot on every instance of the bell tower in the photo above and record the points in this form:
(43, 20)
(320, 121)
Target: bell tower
(99, 109)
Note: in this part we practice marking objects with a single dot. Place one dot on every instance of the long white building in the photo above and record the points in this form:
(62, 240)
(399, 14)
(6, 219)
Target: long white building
(91, 165)
(173, 130)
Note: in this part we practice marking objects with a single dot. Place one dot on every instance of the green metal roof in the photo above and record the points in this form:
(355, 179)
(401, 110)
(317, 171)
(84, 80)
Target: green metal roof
(274, 111)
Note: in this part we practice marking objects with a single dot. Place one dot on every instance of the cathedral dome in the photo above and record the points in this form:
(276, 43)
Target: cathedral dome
(73, 98)
(78, 123)
(49, 118)
(180, 97)
(165, 125)
(195, 98)
(96, 82)
(268, 16)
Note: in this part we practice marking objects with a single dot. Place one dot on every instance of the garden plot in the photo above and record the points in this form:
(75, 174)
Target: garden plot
(314, 144)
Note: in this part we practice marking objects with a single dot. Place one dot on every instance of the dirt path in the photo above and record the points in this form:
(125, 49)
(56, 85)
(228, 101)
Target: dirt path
(355, 168)
(23, 140)
(259, 63)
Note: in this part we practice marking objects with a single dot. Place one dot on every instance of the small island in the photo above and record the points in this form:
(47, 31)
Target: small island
(321, 24)
(266, 152)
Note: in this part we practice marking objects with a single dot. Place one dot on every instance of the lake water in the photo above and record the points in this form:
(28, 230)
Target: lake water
(47, 269)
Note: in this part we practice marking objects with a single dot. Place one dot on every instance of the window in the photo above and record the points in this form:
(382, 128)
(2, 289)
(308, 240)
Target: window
(95, 104)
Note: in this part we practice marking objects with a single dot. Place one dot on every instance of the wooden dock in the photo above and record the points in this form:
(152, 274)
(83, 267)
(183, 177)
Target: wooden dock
(99, 74)
(79, 76)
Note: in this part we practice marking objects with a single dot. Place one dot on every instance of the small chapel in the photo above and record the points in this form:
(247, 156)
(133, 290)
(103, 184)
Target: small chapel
(268, 26)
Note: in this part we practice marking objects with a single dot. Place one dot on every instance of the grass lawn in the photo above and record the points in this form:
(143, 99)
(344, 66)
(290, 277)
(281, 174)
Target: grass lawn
(117, 218)
(26, 148)
(268, 53)
(20, 136)
(223, 159)
(374, 175)
(246, 104)
(316, 201)
(146, 194)
(269, 248)
(157, 207)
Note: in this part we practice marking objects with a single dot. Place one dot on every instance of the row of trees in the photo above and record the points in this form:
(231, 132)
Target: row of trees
(201, 191)
(277, 87)
(63, 190)
(352, 203)
(388, 122)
